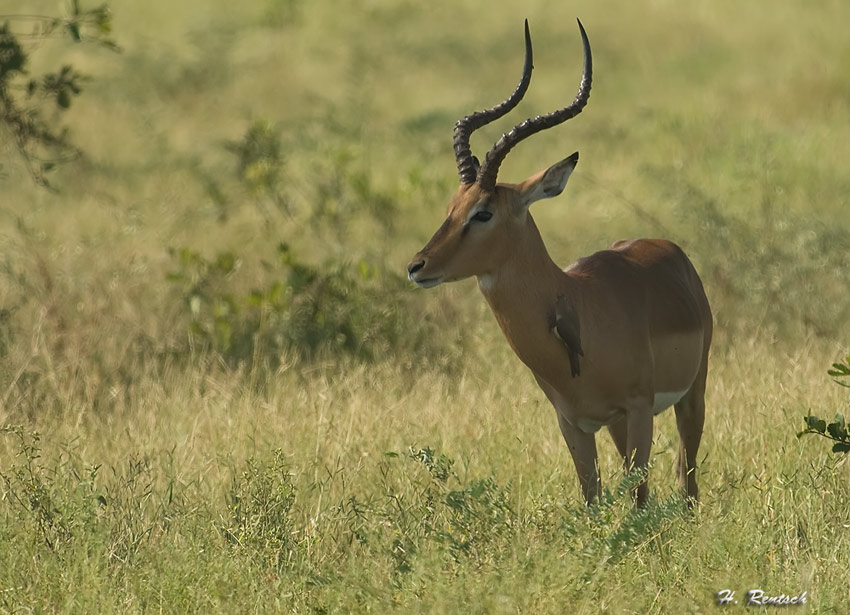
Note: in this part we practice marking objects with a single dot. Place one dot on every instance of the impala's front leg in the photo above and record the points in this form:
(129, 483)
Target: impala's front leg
(638, 445)
(583, 450)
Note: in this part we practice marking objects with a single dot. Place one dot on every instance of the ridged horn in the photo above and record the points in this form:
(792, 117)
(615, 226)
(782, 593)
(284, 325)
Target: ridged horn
(467, 165)
(488, 171)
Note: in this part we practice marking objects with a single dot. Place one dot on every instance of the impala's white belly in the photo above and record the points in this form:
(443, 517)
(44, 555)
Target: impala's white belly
(590, 418)
(591, 426)
(663, 401)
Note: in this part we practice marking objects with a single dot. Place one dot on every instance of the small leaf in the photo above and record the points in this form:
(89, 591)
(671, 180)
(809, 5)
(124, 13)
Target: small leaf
(63, 99)
(840, 369)
(837, 431)
(841, 447)
(103, 19)
(74, 29)
(815, 424)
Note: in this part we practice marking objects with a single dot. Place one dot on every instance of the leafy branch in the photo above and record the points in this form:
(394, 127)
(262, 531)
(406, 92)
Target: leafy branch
(837, 429)
(91, 25)
(25, 100)
(841, 370)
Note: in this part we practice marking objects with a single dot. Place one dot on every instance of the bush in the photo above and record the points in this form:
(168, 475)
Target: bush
(302, 310)
(60, 503)
(837, 429)
(259, 506)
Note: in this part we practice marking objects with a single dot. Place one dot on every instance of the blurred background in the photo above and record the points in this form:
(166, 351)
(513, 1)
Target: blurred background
(218, 388)
(254, 177)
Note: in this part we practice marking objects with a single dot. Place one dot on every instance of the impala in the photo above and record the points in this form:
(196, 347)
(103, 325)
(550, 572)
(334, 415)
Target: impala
(613, 339)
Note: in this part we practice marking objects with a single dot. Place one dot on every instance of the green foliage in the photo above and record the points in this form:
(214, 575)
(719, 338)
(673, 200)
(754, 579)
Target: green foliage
(340, 193)
(302, 310)
(461, 519)
(31, 495)
(841, 371)
(617, 528)
(12, 56)
(212, 310)
(65, 503)
(94, 24)
(476, 520)
(61, 86)
(24, 102)
(332, 192)
(283, 12)
(259, 508)
(439, 466)
(480, 514)
(292, 307)
(398, 531)
(259, 156)
(837, 429)
(39, 144)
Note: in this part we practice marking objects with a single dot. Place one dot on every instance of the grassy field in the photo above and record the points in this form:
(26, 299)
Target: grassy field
(219, 394)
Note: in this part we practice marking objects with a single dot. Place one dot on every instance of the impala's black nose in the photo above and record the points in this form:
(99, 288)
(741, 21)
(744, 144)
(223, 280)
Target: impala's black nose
(414, 267)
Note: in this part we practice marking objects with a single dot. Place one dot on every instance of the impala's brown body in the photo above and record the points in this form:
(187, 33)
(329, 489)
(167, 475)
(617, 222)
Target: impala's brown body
(614, 338)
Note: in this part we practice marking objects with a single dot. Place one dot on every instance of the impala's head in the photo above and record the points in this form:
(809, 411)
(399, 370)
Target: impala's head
(484, 216)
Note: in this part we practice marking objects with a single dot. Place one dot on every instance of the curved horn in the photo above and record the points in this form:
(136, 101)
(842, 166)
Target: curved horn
(490, 169)
(467, 165)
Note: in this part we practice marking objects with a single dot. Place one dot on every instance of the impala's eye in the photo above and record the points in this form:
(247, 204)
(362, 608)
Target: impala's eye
(482, 215)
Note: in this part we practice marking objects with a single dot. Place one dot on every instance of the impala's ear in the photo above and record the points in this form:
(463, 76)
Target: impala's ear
(548, 183)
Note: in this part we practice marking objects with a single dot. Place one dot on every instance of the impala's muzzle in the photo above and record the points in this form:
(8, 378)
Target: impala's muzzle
(413, 267)
(416, 275)
(418, 268)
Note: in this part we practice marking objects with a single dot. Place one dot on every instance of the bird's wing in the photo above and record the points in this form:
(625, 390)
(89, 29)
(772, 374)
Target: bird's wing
(568, 330)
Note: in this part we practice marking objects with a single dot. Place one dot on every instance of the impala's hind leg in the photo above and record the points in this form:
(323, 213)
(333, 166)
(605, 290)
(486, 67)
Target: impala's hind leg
(690, 417)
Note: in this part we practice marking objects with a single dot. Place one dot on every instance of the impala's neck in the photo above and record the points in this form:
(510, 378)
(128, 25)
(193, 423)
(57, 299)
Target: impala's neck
(525, 265)
(523, 289)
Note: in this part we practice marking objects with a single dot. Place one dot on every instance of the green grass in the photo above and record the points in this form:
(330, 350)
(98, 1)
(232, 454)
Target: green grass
(147, 465)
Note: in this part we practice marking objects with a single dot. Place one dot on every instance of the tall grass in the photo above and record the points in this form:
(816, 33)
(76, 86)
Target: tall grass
(218, 394)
